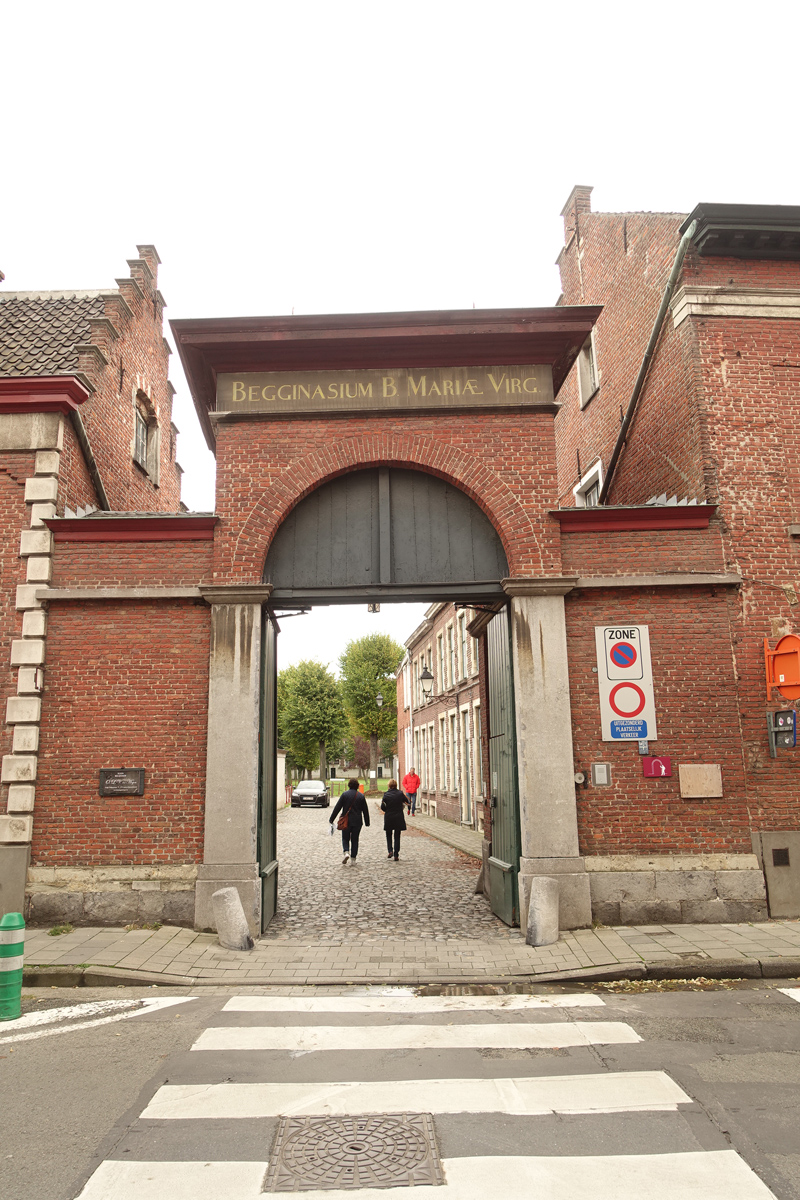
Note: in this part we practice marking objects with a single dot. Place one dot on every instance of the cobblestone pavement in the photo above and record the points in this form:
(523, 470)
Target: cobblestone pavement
(428, 894)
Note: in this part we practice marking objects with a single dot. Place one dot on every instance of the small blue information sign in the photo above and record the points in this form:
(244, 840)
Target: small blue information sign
(629, 730)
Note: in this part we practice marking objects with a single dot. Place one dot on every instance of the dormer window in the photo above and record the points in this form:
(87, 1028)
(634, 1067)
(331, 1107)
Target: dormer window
(587, 492)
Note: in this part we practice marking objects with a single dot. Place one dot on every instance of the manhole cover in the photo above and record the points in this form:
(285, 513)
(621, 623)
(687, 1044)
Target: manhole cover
(327, 1153)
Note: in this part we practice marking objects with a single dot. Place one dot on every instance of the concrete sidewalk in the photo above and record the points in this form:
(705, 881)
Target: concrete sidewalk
(176, 957)
(460, 837)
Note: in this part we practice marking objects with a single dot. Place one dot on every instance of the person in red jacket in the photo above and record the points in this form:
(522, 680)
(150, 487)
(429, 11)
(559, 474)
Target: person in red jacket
(411, 783)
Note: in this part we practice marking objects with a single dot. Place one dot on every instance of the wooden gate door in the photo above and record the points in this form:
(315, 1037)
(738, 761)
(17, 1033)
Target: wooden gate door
(504, 860)
(267, 796)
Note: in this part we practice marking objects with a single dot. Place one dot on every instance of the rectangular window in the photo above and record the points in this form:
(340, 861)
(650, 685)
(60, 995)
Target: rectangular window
(442, 681)
(451, 656)
(477, 733)
(463, 660)
(442, 755)
(588, 379)
(454, 773)
(140, 440)
(466, 772)
(474, 656)
(587, 492)
(415, 693)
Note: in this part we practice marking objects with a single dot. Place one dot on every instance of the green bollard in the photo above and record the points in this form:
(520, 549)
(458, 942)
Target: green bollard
(12, 946)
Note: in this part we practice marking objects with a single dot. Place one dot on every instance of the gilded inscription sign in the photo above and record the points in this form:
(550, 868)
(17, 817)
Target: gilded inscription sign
(394, 387)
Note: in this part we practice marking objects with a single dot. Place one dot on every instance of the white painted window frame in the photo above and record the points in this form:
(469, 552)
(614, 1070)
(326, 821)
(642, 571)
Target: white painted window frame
(590, 479)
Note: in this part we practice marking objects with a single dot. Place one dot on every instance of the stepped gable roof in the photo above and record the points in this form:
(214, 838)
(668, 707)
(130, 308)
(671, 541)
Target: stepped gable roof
(40, 331)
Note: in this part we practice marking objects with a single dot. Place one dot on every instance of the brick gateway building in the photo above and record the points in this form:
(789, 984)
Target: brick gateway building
(387, 443)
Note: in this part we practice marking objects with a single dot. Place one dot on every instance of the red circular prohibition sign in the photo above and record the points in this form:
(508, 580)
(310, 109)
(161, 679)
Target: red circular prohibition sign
(619, 711)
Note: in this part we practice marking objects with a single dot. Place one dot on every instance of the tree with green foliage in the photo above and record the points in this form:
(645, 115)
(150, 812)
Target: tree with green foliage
(368, 668)
(311, 717)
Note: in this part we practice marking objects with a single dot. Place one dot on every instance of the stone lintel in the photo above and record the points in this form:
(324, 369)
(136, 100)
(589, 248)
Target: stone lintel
(556, 586)
(237, 593)
(677, 579)
(49, 595)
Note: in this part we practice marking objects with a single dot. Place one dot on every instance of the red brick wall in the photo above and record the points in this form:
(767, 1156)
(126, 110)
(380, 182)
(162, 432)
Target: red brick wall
(644, 552)
(136, 360)
(698, 722)
(132, 564)
(622, 261)
(505, 462)
(75, 487)
(126, 685)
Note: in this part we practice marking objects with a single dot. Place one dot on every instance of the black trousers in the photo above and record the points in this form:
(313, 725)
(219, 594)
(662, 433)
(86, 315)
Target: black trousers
(396, 833)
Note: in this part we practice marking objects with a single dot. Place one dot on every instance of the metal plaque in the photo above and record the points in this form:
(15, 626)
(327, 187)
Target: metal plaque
(390, 388)
(122, 781)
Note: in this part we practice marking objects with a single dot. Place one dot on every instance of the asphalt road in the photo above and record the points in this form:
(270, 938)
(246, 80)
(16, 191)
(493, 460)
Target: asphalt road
(643, 1088)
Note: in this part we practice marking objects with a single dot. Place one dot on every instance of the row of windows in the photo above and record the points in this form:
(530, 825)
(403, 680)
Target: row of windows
(456, 659)
(449, 759)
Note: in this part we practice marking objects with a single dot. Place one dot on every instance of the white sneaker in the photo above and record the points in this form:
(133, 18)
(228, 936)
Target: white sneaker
(344, 860)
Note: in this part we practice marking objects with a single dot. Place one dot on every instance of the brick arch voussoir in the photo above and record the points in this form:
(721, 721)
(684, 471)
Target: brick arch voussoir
(464, 471)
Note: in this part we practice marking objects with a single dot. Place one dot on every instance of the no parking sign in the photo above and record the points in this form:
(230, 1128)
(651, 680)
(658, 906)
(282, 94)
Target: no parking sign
(625, 679)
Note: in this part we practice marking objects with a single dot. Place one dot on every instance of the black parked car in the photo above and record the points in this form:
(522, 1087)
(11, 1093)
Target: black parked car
(311, 791)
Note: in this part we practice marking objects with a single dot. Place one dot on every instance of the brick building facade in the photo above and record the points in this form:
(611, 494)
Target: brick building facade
(441, 734)
(636, 462)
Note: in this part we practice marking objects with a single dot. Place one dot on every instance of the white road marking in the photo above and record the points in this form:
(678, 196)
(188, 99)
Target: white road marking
(696, 1175)
(150, 1004)
(406, 1004)
(633, 1091)
(793, 992)
(46, 1016)
(177, 1181)
(416, 1037)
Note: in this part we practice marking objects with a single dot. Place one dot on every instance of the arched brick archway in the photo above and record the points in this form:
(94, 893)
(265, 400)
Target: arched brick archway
(291, 404)
(516, 525)
(508, 474)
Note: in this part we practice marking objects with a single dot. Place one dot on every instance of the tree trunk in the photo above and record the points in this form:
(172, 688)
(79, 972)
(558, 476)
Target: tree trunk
(372, 785)
(323, 762)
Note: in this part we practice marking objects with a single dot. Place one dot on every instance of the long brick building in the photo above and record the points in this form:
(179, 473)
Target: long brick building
(608, 485)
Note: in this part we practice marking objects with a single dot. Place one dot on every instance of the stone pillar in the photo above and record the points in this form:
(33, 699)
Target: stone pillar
(548, 805)
(230, 856)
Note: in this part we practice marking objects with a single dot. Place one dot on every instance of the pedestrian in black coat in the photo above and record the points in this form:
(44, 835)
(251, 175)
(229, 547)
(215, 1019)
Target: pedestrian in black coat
(394, 821)
(352, 803)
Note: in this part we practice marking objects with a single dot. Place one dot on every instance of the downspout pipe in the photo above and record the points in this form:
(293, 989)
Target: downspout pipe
(91, 464)
(680, 254)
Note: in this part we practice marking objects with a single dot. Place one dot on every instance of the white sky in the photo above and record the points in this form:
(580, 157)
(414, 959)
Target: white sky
(344, 156)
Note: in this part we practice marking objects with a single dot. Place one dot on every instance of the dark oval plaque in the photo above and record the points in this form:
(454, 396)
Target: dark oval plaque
(122, 781)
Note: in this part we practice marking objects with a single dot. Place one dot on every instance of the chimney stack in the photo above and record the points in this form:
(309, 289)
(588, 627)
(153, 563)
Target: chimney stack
(579, 203)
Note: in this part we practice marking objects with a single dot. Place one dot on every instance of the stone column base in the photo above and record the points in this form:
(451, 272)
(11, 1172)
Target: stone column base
(574, 902)
(672, 889)
(13, 872)
(244, 877)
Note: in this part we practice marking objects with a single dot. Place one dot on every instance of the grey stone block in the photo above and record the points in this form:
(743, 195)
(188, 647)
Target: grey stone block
(713, 912)
(149, 905)
(649, 912)
(685, 885)
(780, 968)
(740, 885)
(55, 908)
(110, 908)
(13, 872)
(616, 886)
(606, 912)
(178, 908)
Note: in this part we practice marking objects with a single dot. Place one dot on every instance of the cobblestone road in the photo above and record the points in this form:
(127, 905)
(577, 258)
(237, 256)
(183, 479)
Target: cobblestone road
(428, 894)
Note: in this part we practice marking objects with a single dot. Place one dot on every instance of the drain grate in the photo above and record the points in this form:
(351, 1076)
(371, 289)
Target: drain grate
(328, 1153)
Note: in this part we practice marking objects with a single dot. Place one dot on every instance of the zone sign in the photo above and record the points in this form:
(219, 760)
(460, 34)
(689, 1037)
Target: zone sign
(625, 680)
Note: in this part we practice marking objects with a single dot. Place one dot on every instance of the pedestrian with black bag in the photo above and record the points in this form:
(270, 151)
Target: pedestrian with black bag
(394, 821)
(354, 814)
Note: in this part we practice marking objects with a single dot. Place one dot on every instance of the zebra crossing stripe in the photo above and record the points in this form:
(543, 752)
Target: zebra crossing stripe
(417, 1037)
(406, 1003)
(794, 993)
(631, 1091)
(710, 1174)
